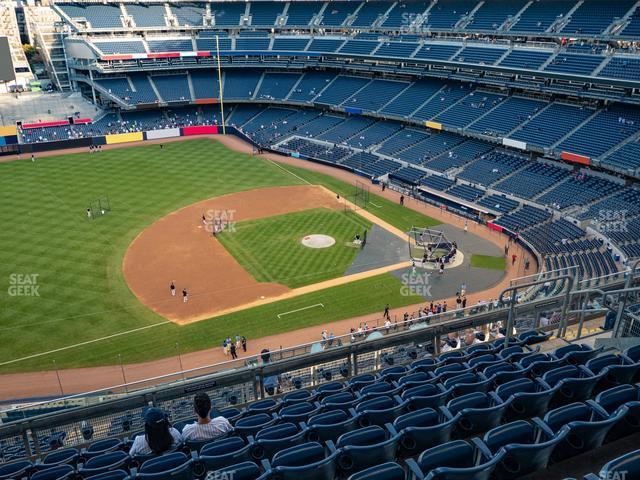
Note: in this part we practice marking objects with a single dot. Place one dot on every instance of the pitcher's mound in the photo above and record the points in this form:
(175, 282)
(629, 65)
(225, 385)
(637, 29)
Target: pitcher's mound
(318, 241)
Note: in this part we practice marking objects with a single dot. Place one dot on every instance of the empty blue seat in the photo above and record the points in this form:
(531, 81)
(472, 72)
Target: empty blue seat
(329, 389)
(530, 359)
(252, 424)
(457, 460)
(467, 383)
(476, 412)
(484, 361)
(527, 448)
(16, 470)
(626, 466)
(379, 389)
(68, 456)
(223, 453)
(625, 397)
(232, 414)
(379, 410)
(633, 353)
(330, 425)
(575, 384)
(426, 396)
(303, 462)
(339, 401)
(540, 367)
(386, 471)
(102, 446)
(240, 471)
(527, 398)
(263, 406)
(360, 381)
(393, 373)
(418, 377)
(272, 439)
(531, 337)
(59, 472)
(503, 373)
(111, 475)
(175, 465)
(422, 429)
(117, 460)
(298, 412)
(298, 396)
(365, 448)
(586, 427)
(576, 354)
(615, 370)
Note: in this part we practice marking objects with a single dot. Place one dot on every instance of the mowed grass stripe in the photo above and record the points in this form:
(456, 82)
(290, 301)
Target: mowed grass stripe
(83, 295)
(271, 249)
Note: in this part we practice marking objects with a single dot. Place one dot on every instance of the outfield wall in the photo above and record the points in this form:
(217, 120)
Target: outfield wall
(119, 138)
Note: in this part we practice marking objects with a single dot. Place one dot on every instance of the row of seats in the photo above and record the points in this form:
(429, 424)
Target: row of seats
(493, 15)
(518, 408)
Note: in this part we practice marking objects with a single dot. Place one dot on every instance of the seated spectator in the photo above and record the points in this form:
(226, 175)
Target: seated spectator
(205, 428)
(159, 436)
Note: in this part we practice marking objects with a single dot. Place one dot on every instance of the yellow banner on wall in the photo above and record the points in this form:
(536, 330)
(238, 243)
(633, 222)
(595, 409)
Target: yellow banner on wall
(8, 131)
(124, 137)
(434, 125)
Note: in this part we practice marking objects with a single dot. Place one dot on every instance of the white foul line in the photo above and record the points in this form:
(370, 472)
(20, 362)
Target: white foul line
(299, 310)
(377, 206)
(288, 171)
(35, 355)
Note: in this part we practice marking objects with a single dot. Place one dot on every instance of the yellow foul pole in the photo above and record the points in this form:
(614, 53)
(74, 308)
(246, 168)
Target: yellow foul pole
(224, 128)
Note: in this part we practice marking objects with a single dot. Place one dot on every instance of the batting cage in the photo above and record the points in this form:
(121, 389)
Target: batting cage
(98, 208)
(428, 245)
(359, 198)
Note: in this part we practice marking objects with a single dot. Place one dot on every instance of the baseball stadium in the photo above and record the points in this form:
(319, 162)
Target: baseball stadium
(319, 240)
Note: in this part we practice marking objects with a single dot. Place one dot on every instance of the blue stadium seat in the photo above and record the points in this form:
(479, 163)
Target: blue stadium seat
(458, 459)
(299, 396)
(386, 471)
(364, 448)
(476, 412)
(117, 460)
(467, 383)
(616, 370)
(16, 470)
(223, 453)
(574, 383)
(380, 410)
(59, 472)
(527, 448)
(298, 412)
(277, 437)
(330, 425)
(339, 401)
(586, 426)
(422, 429)
(100, 447)
(303, 462)
(252, 424)
(239, 471)
(627, 399)
(576, 354)
(176, 466)
(526, 398)
(112, 475)
(531, 337)
(67, 456)
(428, 395)
(626, 466)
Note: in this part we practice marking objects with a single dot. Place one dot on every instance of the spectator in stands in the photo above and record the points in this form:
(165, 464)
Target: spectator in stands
(159, 436)
(205, 428)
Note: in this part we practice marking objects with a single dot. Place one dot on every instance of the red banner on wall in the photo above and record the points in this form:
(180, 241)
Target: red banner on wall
(200, 130)
(575, 158)
(495, 227)
(59, 123)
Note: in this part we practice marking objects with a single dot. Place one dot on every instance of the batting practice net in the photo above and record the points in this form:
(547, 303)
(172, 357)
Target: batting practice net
(99, 207)
(359, 198)
(427, 245)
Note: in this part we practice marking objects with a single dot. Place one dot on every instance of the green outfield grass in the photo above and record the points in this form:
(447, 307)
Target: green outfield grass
(270, 249)
(487, 261)
(81, 291)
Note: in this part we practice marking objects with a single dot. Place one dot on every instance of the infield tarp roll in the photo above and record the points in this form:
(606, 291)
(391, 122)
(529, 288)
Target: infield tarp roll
(124, 138)
(201, 130)
(164, 133)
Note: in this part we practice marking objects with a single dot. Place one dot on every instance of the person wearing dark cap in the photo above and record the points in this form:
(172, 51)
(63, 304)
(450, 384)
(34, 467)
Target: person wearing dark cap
(205, 428)
(159, 436)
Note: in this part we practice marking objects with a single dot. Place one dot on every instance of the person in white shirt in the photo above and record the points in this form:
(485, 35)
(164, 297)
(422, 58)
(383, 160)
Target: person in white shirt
(159, 436)
(205, 428)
